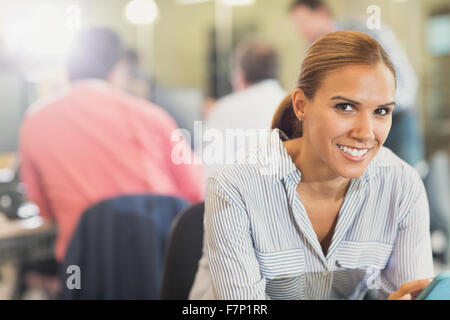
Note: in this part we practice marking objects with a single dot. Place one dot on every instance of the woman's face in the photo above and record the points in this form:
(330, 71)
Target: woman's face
(349, 118)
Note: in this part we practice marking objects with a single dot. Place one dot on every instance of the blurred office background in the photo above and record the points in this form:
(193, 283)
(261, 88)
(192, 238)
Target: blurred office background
(182, 50)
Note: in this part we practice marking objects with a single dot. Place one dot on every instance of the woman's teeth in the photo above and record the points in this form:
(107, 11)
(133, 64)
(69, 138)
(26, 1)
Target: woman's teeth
(353, 152)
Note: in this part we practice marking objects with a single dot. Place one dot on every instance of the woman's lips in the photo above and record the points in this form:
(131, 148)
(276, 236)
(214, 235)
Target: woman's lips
(354, 154)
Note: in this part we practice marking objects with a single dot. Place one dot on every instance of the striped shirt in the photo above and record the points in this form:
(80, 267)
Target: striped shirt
(260, 244)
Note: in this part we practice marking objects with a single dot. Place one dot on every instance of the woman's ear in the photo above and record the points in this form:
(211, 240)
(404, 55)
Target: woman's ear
(298, 103)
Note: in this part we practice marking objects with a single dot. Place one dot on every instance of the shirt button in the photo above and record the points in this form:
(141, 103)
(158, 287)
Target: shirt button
(325, 272)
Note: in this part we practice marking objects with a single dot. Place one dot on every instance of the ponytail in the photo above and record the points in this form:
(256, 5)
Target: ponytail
(285, 119)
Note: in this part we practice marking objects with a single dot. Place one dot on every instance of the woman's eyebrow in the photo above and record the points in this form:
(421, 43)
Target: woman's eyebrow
(387, 104)
(358, 103)
(346, 99)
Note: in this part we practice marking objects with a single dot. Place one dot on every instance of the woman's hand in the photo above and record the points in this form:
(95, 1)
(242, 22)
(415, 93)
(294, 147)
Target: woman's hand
(410, 290)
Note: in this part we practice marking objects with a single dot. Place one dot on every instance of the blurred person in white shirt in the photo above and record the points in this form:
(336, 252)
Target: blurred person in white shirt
(241, 120)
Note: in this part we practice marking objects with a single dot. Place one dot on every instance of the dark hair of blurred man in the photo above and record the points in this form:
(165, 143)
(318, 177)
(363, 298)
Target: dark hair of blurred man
(94, 54)
(253, 63)
(311, 18)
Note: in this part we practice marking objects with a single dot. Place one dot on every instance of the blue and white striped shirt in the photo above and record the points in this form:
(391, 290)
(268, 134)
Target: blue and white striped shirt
(260, 244)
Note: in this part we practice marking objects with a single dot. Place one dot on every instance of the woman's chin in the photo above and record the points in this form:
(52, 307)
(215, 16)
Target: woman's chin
(350, 172)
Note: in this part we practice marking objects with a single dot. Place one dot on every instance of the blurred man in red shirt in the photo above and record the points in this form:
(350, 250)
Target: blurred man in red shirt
(94, 142)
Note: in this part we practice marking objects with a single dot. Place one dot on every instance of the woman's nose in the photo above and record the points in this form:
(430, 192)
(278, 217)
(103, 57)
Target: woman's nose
(363, 127)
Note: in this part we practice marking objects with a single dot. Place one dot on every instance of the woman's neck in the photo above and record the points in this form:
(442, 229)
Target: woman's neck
(318, 180)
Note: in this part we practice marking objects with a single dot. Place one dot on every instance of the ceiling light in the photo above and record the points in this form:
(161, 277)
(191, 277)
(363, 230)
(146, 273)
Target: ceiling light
(141, 11)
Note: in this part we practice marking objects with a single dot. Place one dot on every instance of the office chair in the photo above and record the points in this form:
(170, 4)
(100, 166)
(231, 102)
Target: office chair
(118, 247)
(183, 252)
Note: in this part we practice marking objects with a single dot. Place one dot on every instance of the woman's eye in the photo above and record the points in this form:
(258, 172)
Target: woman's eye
(345, 107)
(382, 111)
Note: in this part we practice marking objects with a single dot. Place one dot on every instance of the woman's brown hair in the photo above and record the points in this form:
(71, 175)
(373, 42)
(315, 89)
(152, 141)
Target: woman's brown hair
(329, 52)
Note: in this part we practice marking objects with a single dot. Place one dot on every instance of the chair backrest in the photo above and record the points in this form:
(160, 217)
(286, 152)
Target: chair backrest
(118, 247)
(183, 252)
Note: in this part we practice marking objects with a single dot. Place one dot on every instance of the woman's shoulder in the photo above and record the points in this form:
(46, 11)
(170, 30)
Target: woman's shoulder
(245, 164)
(386, 158)
(388, 168)
(259, 164)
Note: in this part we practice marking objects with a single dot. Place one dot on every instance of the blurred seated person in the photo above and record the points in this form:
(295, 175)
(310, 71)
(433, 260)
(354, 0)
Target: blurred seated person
(312, 18)
(95, 142)
(247, 112)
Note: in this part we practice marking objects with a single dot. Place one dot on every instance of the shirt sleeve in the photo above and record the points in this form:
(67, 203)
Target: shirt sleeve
(231, 254)
(411, 258)
(29, 175)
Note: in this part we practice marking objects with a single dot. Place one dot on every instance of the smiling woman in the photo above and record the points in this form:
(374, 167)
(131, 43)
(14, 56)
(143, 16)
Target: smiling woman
(323, 213)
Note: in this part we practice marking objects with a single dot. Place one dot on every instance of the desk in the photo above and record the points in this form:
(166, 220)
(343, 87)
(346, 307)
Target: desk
(27, 239)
